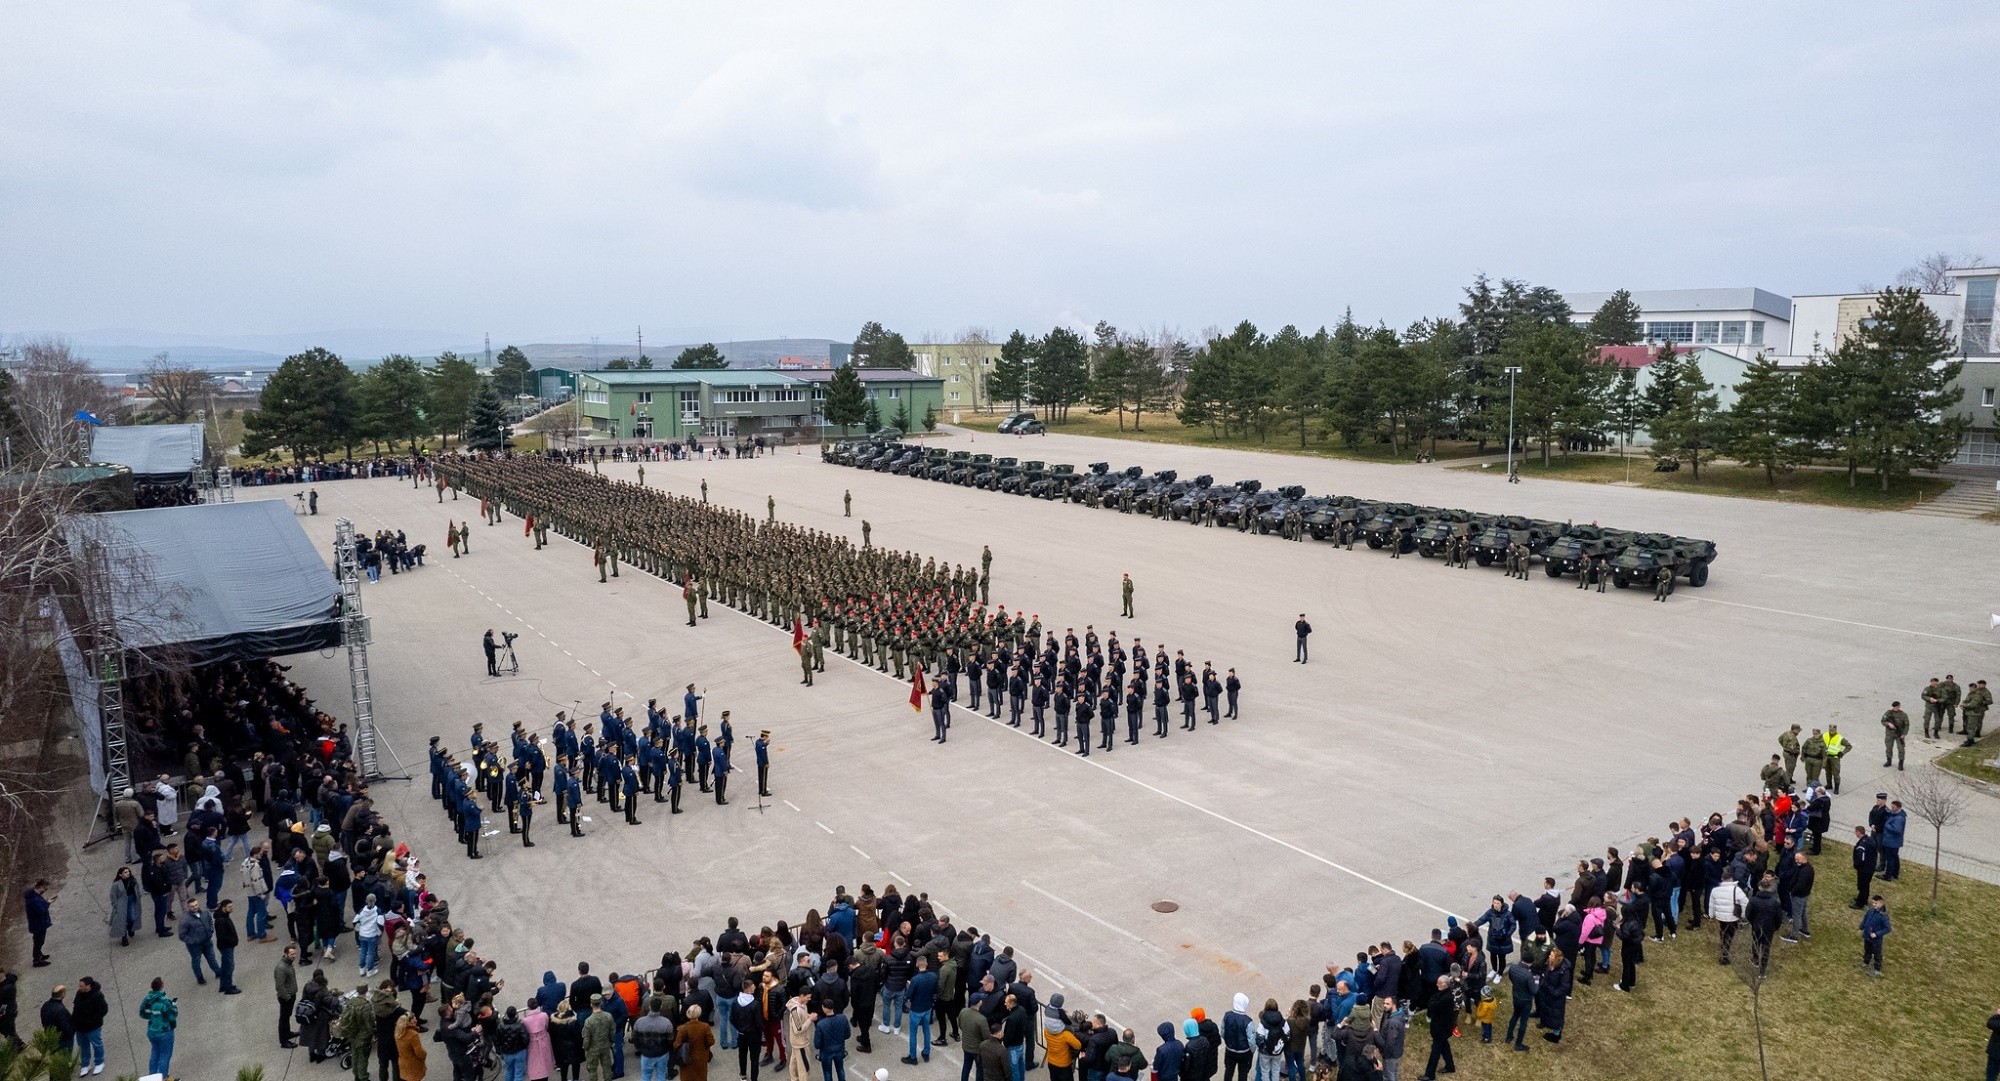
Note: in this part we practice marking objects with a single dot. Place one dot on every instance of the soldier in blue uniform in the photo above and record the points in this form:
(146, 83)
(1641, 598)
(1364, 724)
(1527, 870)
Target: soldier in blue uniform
(702, 752)
(674, 783)
(511, 787)
(527, 808)
(721, 775)
(763, 746)
(656, 763)
(588, 747)
(437, 769)
(469, 823)
(631, 785)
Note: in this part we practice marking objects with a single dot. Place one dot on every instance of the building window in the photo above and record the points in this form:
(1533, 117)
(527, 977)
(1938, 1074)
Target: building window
(1978, 338)
(894, 392)
(1732, 333)
(819, 394)
(596, 397)
(739, 396)
(1756, 332)
(645, 397)
(956, 378)
(1670, 332)
(787, 394)
(954, 396)
(1986, 397)
(690, 406)
(1707, 332)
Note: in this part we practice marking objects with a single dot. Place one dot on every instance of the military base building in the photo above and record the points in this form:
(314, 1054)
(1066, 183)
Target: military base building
(781, 406)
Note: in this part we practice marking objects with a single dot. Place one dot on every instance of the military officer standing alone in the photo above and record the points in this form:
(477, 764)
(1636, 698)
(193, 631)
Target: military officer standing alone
(1663, 584)
(846, 503)
(1895, 729)
(1126, 588)
(771, 508)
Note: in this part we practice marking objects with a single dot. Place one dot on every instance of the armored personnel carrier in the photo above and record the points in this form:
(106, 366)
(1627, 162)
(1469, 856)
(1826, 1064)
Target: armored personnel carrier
(1271, 515)
(1489, 545)
(1055, 483)
(1640, 562)
(1444, 527)
(1579, 545)
(1379, 528)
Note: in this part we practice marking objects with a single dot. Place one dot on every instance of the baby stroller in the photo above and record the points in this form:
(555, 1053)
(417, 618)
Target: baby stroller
(338, 1047)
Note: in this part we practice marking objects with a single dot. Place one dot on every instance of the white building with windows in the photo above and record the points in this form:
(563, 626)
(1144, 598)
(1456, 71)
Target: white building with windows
(1741, 322)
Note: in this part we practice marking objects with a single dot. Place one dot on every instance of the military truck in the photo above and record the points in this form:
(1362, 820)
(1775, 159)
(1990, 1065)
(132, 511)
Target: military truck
(1639, 564)
(1490, 544)
(1444, 527)
(1580, 545)
(1379, 528)
(1055, 483)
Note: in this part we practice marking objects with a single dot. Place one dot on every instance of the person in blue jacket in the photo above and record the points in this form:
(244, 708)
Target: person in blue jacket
(1874, 928)
(1167, 1057)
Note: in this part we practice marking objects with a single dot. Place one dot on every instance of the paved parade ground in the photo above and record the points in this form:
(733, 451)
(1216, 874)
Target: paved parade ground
(1456, 733)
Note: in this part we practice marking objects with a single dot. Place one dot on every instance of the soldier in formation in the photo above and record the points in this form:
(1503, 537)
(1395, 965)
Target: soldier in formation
(896, 612)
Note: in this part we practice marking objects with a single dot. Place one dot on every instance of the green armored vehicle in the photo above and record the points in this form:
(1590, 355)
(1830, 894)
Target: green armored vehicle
(1380, 528)
(1640, 562)
(1055, 483)
(1016, 482)
(989, 480)
(1490, 544)
(1443, 528)
(1581, 545)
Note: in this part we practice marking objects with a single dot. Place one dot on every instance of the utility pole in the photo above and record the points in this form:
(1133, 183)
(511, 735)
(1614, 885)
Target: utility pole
(1512, 371)
(489, 349)
(642, 342)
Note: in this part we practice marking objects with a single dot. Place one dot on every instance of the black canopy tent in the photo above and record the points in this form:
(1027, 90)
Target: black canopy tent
(155, 453)
(224, 581)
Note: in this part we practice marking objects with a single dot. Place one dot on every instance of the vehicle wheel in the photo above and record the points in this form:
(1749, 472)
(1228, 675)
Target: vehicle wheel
(347, 1061)
(1553, 570)
(1483, 558)
(1374, 542)
(1424, 551)
(1619, 581)
(1408, 546)
(1698, 577)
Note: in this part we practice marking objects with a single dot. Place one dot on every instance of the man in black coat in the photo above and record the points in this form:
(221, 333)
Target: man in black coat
(1765, 916)
(1432, 962)
(1527, 919)
(1864, 867)
(1443, 1015)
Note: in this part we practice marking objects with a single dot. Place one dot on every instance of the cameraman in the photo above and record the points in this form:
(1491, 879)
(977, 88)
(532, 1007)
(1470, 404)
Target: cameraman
(492, 654)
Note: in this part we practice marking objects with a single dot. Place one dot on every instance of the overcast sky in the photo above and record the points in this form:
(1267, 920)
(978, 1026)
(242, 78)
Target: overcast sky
(551, 171)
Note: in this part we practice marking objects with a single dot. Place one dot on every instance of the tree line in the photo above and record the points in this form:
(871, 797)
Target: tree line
(1512, 353)
(315, 405)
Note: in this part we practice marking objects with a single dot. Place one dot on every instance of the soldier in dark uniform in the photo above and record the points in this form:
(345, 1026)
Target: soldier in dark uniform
(940, 712)
(631, 784)
(1211, 690)
(527, 811)
(1017, 695)
(1086, 712)
(1107, 717)
(1135, 709)
(1061, 701)
(574, 804)
(995, 679)
(1161, 699)
(674, 783)
(1038, 703)
(1188, 694)
(1231, 686)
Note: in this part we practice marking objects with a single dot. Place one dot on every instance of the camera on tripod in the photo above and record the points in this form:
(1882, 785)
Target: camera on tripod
(508, 637)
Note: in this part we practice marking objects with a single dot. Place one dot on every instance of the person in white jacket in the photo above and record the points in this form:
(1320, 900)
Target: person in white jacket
(1726, 904)
(368, 936)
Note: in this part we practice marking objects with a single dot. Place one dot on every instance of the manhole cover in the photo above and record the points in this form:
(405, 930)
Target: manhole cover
(1165, 906)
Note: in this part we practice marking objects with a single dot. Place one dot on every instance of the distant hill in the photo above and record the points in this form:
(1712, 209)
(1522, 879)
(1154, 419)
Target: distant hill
(763, 353)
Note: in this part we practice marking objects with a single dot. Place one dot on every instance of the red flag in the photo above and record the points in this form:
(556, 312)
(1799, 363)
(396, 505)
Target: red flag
(450, 531)
(798, 636)
(917, 691)
(528, 525)
(634, 410)
(687, 586)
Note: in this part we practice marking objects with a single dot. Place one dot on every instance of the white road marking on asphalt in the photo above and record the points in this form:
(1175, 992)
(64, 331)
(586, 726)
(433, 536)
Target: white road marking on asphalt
(1851, 622)
(822, 825)
(860, 853)
(792, 805)
(1081, 912)
(900, 878)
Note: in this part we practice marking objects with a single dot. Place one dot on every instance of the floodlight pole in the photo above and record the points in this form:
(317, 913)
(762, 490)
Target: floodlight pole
(1512, 371)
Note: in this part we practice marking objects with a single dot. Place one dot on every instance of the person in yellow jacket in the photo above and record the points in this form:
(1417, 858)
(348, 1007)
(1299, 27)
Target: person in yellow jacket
(1837, 747)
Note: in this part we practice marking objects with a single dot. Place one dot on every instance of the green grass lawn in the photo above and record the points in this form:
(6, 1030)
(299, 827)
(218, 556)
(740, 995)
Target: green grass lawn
(1163, 428)
(1822, 486)
(1972, 761)
(1691, 1018)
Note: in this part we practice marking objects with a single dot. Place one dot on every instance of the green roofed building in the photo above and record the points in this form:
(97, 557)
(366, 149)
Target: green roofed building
(781, 406)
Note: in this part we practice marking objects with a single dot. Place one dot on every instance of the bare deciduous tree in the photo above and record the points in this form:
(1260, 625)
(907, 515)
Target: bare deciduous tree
(178, 390)
(1932, 273)
(50, 387)
(1940, 800)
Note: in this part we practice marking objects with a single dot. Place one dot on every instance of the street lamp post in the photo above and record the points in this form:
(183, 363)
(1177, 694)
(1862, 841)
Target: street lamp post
(1512, 371)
